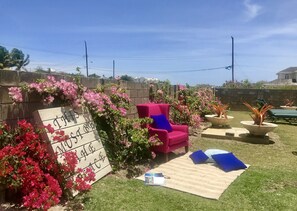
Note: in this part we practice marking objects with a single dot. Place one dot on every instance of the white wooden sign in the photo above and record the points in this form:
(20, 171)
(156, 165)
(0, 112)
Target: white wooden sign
(83, 137)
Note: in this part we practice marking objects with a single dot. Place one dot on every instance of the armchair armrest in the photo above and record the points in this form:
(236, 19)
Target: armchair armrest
(183, 128)
(162, 134)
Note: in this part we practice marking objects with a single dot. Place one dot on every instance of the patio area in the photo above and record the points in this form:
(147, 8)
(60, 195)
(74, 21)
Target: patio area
(268, 184)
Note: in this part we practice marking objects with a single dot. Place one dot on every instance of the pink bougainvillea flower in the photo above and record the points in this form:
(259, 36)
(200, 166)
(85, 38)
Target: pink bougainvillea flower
(49, 128)
(16, 94)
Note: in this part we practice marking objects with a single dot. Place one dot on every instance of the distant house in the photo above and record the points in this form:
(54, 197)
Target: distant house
(287, 76)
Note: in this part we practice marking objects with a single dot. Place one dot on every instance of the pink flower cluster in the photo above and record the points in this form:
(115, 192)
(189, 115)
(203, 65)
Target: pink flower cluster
(44, 85)
(16, 94)
(69, 91)
(196, 120)
(102, 103)
(71, 94)
(60, 136)
(126, 143)
(80, 181)
(83, 178)
(154, 141)
(182, 87)
(120, 93)
(97, 100)
(41, 190)
(70, 161)
(206, 98)
(27, 166)
(160, 92)
(49, 89)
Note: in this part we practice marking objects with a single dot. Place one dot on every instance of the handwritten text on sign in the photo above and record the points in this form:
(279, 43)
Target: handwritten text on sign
(83, 137)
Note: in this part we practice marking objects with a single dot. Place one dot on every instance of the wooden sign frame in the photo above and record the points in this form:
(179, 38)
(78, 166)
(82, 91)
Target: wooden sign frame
(83, 137)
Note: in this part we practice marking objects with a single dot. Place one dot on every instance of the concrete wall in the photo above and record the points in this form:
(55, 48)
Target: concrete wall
(139, 93)
(235, 97)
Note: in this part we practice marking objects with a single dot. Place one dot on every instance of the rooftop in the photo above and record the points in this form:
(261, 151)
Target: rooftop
(288, 70)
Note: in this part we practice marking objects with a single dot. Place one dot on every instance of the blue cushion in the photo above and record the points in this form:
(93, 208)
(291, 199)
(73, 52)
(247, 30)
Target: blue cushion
(161, 122)
(198, 157)
(211, 152)
(228, 162)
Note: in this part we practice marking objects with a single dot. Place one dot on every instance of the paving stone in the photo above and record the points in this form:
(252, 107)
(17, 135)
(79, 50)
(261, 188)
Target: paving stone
(237, 134)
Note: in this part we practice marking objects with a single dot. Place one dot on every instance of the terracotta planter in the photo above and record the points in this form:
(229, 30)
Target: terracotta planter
(217, 121)
(258, 130)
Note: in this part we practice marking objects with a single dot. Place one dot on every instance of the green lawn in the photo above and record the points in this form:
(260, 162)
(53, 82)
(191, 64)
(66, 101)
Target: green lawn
(270, 183)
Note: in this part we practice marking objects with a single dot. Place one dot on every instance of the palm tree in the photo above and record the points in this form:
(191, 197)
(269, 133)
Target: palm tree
(15, 58)
(4, 58)
(18, 59)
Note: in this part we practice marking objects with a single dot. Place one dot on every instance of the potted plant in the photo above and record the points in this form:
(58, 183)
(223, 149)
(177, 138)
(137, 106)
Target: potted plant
(258, 127)
(289, 105)
(220, 118)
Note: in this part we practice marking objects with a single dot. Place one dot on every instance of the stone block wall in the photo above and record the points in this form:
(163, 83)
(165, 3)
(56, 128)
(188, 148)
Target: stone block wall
(235, 97)
(138, 92)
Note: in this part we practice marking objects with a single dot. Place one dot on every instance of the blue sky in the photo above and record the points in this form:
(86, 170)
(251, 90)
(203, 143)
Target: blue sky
(182, 41)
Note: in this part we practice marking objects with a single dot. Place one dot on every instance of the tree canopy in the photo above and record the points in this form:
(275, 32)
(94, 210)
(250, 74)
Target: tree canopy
(15, 58)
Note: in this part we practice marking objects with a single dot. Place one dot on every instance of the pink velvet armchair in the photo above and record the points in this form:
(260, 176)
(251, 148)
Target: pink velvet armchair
(177, 138)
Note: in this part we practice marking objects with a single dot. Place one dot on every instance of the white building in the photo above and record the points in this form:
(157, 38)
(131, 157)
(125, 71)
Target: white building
(287, 76)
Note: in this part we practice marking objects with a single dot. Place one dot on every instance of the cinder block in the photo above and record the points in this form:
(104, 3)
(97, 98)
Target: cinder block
(30, 77)
(142, 93)
(12, 111)
(141, 100)
(4, 97)
(133, 93)
(128, 92)
(125, 84)
(91, 83)
(9, 78)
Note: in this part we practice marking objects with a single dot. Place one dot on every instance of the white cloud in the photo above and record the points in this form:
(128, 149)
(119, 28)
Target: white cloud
(252, 9)
(287, 30)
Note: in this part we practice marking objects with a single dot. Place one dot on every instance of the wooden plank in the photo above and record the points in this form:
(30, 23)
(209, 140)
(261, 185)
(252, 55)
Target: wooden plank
(83, 137)
(77, 135)
(64, 117)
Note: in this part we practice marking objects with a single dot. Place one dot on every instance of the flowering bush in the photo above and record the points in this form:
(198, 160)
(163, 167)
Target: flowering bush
(125, 144)
(27, 166)
(66, 92)
(190, 105)
(16, 94)
(160, 93)
(117, 103)
(201, 100)
(183, 111)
